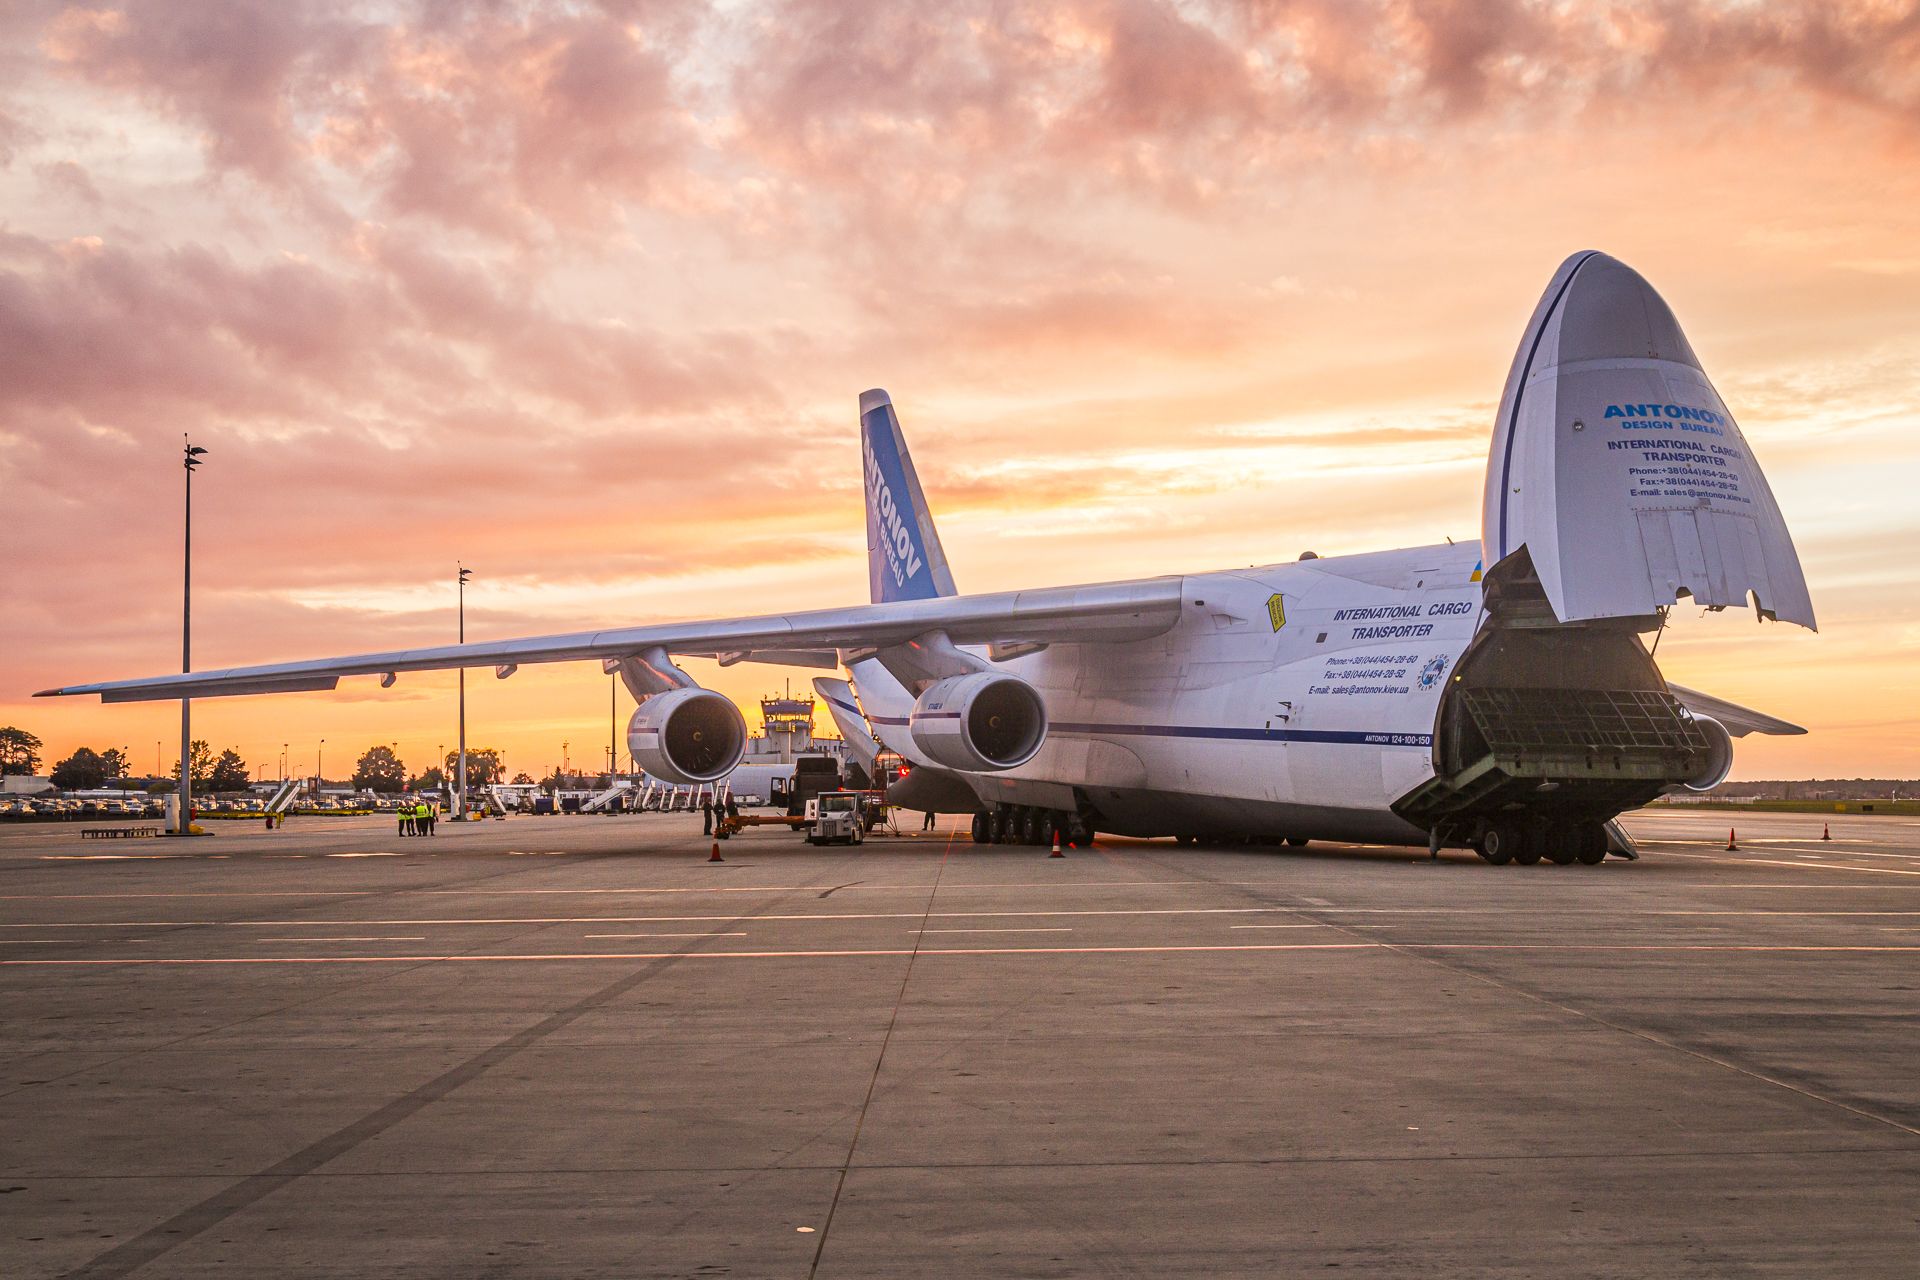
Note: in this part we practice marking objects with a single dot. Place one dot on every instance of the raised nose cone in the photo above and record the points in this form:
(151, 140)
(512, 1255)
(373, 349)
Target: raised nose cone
(1618, 468)
(1611, 312)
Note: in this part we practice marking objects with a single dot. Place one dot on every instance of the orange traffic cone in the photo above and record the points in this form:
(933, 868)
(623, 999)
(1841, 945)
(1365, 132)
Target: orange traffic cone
(716, 853)
(1826, 832)
(1056, 845)
(1731, 846)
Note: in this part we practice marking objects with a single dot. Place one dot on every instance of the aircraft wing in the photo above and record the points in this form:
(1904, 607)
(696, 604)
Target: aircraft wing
(1104, 612)
(1740, 721)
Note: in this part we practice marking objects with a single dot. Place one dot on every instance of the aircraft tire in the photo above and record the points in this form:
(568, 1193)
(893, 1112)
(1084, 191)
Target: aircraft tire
(982, 828)
(1031, 823)
(1296, 842)
(1592, 844)
(1561, 843)
(1510, 840)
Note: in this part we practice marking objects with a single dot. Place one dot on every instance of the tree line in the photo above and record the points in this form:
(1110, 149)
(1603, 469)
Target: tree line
(379, 768)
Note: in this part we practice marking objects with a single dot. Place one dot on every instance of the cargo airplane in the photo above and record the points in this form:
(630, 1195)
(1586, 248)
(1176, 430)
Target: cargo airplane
(1498, 695)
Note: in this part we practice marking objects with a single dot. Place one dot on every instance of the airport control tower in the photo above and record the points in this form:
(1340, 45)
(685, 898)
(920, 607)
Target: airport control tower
(788, 733)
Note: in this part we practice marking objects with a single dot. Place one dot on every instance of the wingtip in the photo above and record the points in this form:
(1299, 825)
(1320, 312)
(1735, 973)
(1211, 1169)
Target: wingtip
(873, 399)
(49, 693)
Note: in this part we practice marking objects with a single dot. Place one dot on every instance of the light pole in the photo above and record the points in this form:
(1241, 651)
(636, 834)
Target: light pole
(460, 774)
(191, 459)
(320, 767)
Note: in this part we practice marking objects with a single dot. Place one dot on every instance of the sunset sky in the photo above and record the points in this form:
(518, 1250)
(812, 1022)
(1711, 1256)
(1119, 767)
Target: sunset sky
(584, 294)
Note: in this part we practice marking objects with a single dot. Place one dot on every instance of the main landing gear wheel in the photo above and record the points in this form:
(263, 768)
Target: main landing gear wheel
(1592, 843)
(982, 829)
(1510, 841)
(1561, 843)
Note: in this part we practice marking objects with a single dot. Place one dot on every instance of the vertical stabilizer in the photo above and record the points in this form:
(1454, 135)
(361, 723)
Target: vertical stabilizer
(1618, 468)
(904, 559)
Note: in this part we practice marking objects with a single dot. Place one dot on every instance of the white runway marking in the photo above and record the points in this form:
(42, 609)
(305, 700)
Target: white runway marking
(663, 935)
(1776, 862)
(992, 930)
(381, 938)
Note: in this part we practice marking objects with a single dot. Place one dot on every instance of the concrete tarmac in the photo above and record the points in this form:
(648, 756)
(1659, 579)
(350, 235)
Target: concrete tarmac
(574, 1047)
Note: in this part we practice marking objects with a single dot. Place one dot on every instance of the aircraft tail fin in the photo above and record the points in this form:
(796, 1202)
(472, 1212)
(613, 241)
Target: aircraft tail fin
(1617, 467)
(904, 557)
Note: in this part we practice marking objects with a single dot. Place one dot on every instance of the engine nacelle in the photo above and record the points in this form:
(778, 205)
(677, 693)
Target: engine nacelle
(687, 736)
(1720, 763)
(980, 722)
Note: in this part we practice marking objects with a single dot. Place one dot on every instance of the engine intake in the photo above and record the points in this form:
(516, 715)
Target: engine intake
(687, 736)
(981, 722)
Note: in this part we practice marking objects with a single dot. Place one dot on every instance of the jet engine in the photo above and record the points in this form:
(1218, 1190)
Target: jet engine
(980, 722)
(1720, 762)
(687, 736)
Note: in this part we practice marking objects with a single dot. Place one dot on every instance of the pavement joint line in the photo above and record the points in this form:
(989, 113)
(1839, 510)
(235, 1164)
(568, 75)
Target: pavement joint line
(1762, 913)
(1891, 1147)
(873, 1081)
(191, 1222)
(858, 952)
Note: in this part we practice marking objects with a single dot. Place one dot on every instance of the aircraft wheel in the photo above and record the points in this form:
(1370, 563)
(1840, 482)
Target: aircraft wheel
(1561, 843)
(1593, 844)
(1032, 823)
(982, 828)
(1297, 842)
(1510, 841)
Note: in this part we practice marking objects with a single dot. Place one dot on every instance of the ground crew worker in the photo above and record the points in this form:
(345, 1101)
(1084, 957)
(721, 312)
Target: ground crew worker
(405, 812)
(706, 817)
(433, 816)
(927, 824)
(733, 806)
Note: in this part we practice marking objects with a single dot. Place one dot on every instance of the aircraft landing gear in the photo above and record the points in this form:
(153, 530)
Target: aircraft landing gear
(982, 828)
(1517, 839)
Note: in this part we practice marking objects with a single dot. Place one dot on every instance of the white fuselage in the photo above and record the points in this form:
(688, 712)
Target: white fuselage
(1304, 718)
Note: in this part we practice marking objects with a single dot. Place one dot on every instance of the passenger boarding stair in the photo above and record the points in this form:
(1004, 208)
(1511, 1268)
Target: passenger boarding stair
(600, 801)
(283, 798)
